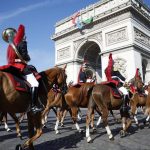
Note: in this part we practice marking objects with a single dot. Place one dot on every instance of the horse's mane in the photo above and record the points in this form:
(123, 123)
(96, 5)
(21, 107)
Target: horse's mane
(51, 70)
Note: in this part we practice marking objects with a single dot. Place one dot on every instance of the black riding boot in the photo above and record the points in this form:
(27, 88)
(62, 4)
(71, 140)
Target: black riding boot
(34, 94)
(124, 109)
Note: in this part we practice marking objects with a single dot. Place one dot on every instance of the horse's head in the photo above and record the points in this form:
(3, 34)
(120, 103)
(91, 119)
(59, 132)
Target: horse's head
(57, 76)
(139, 84)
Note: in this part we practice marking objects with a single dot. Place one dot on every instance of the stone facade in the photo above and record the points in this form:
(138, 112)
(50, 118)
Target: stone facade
(120, 27)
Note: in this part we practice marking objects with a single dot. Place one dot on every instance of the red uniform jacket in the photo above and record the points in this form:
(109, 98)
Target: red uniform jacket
(11, 55)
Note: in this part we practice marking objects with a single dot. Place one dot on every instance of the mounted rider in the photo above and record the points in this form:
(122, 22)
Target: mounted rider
(82, 77)
(113, 75)
(134, 83)
(18, 57)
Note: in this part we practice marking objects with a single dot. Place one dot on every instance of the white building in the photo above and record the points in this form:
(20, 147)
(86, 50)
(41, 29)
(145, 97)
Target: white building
(121, 27)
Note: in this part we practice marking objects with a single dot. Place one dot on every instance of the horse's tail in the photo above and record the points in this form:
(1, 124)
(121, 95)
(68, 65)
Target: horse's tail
(2, 74)
(98, 94)
(90, 91)
(147, 111)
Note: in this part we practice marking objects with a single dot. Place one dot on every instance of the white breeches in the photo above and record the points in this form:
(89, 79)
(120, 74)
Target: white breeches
(123, 90)
(32, 80)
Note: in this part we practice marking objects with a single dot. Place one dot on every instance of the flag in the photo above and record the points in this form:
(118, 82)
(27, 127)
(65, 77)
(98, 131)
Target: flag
(74, 17)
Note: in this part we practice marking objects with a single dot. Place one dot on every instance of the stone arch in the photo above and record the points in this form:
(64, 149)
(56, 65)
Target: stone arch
(144, 67)
(89, 51)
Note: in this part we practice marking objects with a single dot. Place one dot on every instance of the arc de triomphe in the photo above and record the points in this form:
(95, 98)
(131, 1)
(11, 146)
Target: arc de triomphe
(120, 27)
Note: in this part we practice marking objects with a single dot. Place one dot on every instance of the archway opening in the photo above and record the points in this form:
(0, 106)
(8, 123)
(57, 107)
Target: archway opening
(90, 53)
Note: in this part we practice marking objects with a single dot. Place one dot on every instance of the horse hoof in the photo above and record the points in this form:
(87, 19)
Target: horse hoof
(111, 137)
(57, 132)
(80, 131)
(44, 127)
(9, 130)
(144, 122)
(19, 147)
(94, 130)
(62, 125)
(89, 140)
(122, 134)
(79, 119)
(141, 127)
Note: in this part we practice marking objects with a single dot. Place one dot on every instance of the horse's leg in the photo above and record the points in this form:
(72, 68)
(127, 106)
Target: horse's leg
(63, 115)
(58, 119)
(33, 121)
(135, 118)
(99, 119)
(117, 120)
(126, 123)
(88, 120)
(21, 117)
(44, 115)
(4, 119)
(17, 125)
(105, 122)
(103, 108)
(74, 110)
(54, 110)
(79, 115)
(105, 114)
(92, 120)
(45, 119)
(134, 113)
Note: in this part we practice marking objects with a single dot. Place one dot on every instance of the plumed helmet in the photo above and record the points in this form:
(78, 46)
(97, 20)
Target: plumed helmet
(9, 34)
(110, 56)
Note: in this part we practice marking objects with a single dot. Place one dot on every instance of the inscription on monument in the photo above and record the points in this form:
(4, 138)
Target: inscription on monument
(116, 36)
(63, 53)
(142, 37)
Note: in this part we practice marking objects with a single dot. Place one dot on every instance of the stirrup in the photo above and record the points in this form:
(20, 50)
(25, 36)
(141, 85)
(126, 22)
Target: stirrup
(35, 109)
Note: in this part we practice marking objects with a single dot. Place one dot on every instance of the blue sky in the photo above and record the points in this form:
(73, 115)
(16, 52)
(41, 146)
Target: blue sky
(39, 18)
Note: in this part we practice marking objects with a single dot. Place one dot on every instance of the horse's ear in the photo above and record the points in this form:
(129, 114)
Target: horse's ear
(65, 66)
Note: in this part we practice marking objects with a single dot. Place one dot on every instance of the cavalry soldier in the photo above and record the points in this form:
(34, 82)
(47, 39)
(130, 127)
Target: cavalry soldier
(113, 75)
(18, 57)
(82, 78)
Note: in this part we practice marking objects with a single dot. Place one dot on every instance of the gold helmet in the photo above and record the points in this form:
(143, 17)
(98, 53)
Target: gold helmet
(9, 34)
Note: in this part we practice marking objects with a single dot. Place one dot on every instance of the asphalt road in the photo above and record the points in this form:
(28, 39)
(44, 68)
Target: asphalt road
(70, 139)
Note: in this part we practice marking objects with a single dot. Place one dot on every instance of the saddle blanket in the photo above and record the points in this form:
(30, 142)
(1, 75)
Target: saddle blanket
(114, 90)
(19, 84)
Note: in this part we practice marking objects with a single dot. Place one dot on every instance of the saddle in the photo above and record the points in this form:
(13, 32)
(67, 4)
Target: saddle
(114, 90)
(18, 83)
(77, 85)
(16, 78)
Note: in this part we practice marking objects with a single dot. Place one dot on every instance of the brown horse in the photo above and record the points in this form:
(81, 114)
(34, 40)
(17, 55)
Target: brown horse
(147, 108)
(102, 97)
(78, 96)
(138, 99)
(13, 101)
(55, 99)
